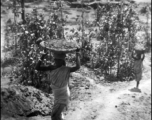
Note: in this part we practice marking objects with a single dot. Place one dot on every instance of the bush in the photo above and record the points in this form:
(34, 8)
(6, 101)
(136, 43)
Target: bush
(117, 29)
(27, 49)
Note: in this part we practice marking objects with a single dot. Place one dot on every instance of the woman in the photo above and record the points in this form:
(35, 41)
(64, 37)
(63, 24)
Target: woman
(58, 78)
(138, 56)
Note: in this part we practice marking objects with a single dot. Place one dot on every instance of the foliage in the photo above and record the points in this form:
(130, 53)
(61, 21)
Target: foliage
(9, 61)
(145, 10)
(27, 49)
(116, 30)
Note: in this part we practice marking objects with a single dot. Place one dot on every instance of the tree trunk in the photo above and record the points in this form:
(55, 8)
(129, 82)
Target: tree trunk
(82, 30)
(23, 11)
(15, 12)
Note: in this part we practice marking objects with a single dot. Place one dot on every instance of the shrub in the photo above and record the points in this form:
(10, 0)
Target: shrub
(117, 29)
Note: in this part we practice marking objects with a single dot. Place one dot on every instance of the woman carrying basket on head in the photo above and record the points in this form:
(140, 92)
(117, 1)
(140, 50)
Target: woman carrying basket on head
(58, 77)
(138, 56)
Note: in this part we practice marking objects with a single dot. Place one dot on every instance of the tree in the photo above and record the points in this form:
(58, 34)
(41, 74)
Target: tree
(23, 11)
(146, 11)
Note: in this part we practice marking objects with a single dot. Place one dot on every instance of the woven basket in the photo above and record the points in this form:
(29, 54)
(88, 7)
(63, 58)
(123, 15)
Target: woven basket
(139, 48)
(60, 46)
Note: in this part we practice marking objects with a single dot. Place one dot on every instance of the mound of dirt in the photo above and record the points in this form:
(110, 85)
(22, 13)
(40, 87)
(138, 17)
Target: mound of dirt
(18, 100)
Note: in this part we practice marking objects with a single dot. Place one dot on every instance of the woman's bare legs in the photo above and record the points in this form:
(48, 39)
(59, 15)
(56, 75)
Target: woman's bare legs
(57, 112)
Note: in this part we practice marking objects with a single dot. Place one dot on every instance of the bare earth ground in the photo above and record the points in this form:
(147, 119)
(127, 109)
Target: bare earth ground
(92, 99)
(114, 103)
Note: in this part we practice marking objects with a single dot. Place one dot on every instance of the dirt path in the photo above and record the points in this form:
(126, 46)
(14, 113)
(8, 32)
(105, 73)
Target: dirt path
(105, 104)
(138, 1)
(111, 102)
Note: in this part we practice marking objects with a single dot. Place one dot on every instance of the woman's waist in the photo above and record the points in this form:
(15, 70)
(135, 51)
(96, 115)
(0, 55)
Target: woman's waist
(63, 92)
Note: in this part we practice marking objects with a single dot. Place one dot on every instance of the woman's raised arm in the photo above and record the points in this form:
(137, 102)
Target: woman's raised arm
(78, 63)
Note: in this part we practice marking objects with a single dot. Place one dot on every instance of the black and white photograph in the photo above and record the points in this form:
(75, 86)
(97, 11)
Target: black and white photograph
(75, 59)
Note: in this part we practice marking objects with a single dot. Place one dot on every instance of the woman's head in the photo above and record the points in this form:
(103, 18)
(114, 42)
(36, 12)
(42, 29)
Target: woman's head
(59, 62)
(59, 59)
(138, 54)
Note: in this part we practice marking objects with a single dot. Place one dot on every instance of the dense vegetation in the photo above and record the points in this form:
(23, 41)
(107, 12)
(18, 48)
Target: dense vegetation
(116, 31)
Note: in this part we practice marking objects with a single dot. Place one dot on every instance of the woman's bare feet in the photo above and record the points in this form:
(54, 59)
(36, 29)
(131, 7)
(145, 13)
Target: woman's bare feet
(135, 89)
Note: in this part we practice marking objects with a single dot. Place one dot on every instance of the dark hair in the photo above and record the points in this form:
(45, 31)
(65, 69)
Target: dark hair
(60, 62)
(138, 54)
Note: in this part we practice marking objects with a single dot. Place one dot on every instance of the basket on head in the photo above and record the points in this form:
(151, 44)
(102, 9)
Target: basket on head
(139, 48)
(61, 46)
